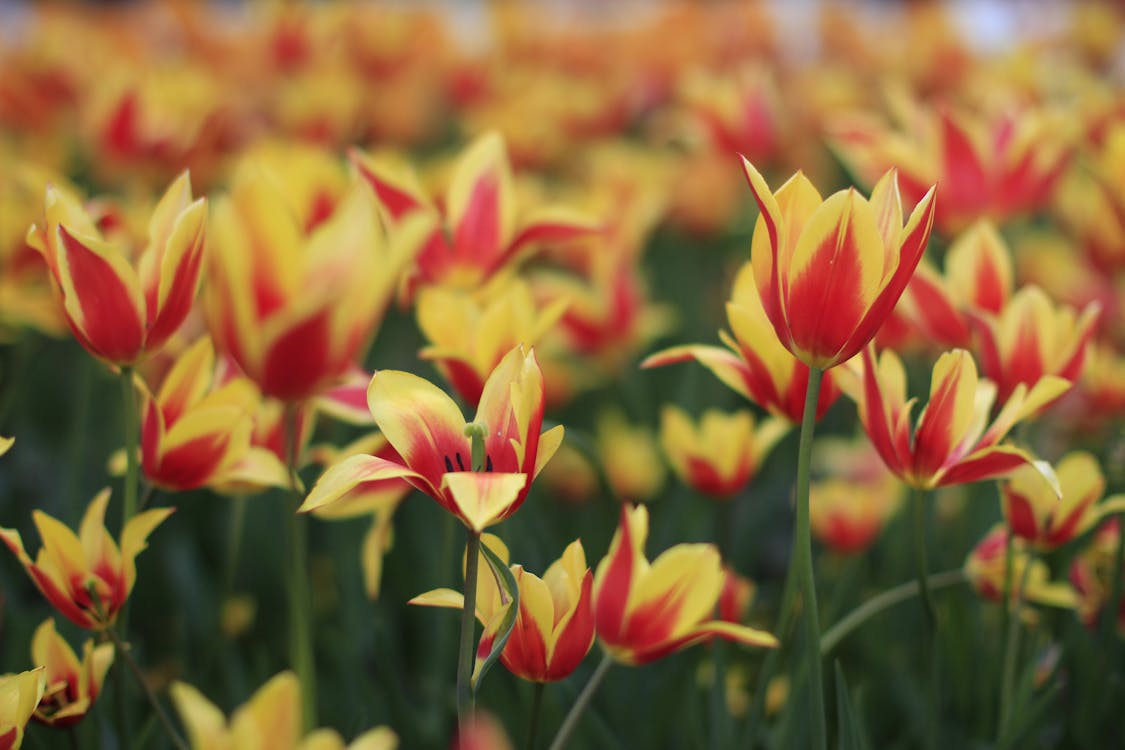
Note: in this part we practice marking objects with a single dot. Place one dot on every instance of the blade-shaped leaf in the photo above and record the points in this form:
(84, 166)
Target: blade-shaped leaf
(510, 593)
(848, 730)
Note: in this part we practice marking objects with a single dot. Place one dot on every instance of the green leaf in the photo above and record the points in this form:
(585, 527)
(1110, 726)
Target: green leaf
(848, 729)
(511, 593)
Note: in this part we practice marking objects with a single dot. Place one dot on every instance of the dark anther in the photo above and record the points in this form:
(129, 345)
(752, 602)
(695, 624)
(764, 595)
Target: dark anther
(449, 464)
(460, 463)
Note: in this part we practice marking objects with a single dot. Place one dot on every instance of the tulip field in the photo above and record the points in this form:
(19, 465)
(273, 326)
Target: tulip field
(562, 375)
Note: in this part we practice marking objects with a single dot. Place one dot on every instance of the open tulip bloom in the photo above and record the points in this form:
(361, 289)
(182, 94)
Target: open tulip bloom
(427, 429)
(644, 611)
(830, 271)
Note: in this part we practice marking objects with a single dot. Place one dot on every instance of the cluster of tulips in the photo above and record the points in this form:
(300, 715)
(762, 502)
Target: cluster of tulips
(299, 244)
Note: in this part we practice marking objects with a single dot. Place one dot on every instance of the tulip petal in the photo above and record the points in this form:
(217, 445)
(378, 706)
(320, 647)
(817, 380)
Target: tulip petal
(338, 482)
(481, 499)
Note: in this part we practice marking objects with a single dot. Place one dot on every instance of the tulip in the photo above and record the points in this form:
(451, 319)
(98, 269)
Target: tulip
(479, 229)
(831, 270)
(427, 429)
(986, 568)
(852, 504)
(554, 627)
(72, 685)
(1092, 574)
(294, 308)
(646, 611)
(86, 577)
(1030, 338)
(754, 364)
(118, 311)
(952, 442)
(196, 431)
(721, 454)
(270, 720)
(19, 696)
(736, 597)
(630, 456)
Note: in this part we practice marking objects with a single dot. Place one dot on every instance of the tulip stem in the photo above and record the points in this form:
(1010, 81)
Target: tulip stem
(300, 607)
(921, 558)
(468, 631)
(802, 564)
(536, 710)
(132, 438)
(122, 651)
(1011, 654)
(882, 601)
(570, 723)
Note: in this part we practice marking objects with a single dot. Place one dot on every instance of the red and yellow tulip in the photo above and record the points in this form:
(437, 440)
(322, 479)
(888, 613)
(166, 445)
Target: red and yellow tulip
(19, 696)
(86, 576)
(122, 307)
(830, 271)
(554, 628)
(270, 720)
(644, 611)
(952, 442)
(1030, 338)
(722, 453)
(292, 300)
(1092, 573)
(72, 685)
(428, 430)
(986, 569)
(754, 364)
(478, 228)
(852, 504)
(196, 431)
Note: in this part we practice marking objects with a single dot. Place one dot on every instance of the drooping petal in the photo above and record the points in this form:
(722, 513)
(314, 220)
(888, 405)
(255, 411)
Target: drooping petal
(481, 499)
(341, 480)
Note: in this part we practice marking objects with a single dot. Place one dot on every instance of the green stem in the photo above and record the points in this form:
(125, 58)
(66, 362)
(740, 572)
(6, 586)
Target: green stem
(297, 581)
(802, 565)
(468, 632)
(122, 652)
(570, 723)
(880, 602)
(132, 440)
(921, 558)
(1011, 654)
(785, 618)
(536, 711)
(719, 713)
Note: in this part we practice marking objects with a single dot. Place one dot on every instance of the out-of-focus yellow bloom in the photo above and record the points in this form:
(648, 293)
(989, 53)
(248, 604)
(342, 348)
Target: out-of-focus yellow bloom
(196, 431)
(554, 627)
(122, 307)
(483, 732)
(754, 364)
(19, 695)
(953, 442)
(1092, 574)
(85, 576)
(570, 475)
(1103, 383)
(830, 271)
(1031, 338)
(986, 564)
(270, 720)
(72, 685)
(721, 454)
(630, 456)
(1035, 512)
(855, 497)
(5, 444)
(297, 288)
(644, 611)
(470, 333)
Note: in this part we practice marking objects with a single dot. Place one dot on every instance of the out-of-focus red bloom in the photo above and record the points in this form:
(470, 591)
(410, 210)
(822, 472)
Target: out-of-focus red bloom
(428, 430)
(736, 597)
(721, 454)
(483, 732)
(295, 292)
(85, 576)
(830, 271)
(1103, 383)
(1047, 520)
(1092, 573)
(986, 567)
(851, 505)
(737, 112)
(1031, 338)
(755, 364)
(122, 308)
(987, 166)
(196, 430)
(646, 611)
(478, 228)
(952, 442)
(72, 685)
(554, 628)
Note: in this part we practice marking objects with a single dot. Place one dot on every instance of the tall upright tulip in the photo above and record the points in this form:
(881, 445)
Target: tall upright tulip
(831, 270)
